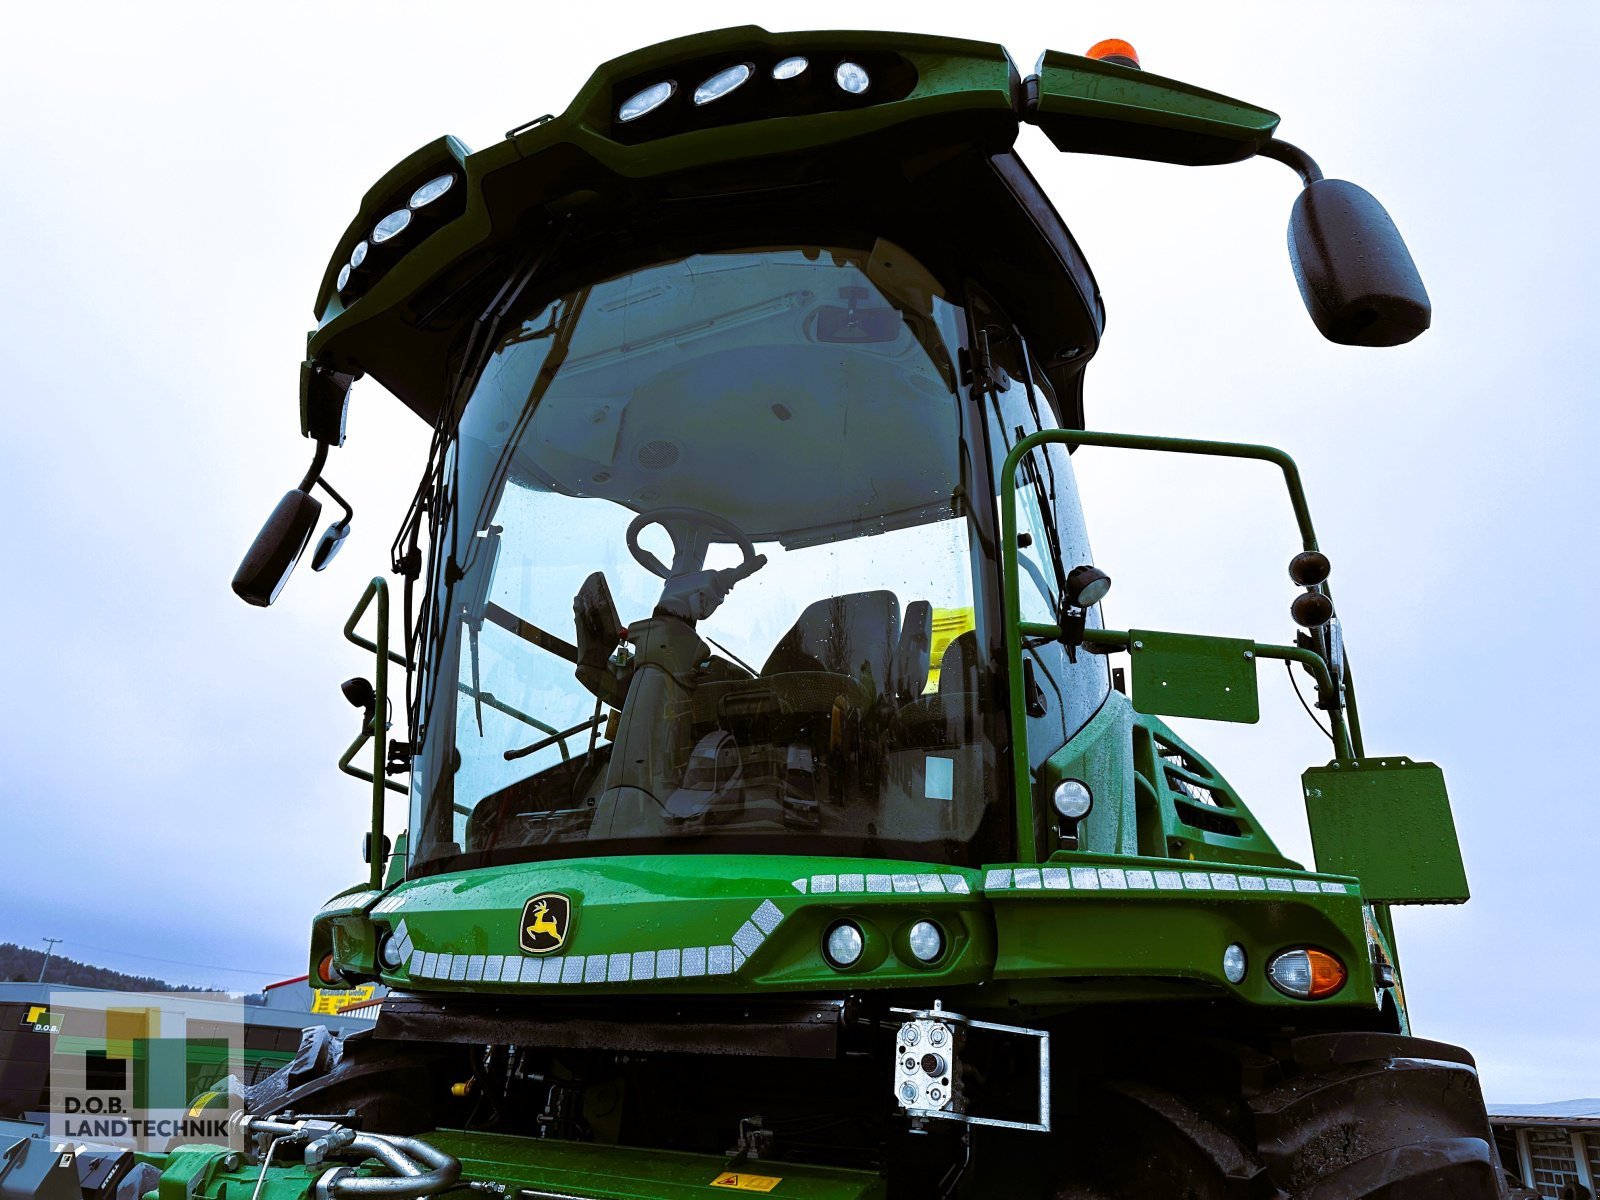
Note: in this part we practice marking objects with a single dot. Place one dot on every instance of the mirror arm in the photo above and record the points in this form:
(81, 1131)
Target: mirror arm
(1293, 157)
(314, 471)
(349, 513)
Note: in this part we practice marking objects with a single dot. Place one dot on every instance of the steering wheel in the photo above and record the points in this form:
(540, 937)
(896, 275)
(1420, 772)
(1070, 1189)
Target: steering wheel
(689, 529)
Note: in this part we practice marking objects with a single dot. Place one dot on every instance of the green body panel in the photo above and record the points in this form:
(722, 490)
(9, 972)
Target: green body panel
(1100, 755)
(543, 1166)
(1388, 821)
(1085, 917)
(756, 923)
(967, 90)
(618, 1173)
(1093, 107)
(1188, 675)
(686, 923)
(1188, 811)
(342, 929)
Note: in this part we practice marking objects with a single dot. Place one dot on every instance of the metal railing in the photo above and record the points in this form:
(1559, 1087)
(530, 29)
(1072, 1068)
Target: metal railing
(1346, 737)
(376, 730)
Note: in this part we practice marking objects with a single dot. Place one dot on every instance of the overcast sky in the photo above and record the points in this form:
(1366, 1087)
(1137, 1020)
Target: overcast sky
(176, 178)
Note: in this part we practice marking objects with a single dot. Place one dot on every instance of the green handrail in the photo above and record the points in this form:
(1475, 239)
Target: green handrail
(1016, 629)
(375, 729)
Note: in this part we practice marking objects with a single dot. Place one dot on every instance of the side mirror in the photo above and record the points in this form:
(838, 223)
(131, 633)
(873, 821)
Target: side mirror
(1355, 274)
(332, 539)
(272, 556)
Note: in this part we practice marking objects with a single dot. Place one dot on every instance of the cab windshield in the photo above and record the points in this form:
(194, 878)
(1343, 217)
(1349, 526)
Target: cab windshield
(709, 575)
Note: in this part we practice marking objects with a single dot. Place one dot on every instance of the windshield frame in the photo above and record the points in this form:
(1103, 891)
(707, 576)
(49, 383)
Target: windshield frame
(438, 643)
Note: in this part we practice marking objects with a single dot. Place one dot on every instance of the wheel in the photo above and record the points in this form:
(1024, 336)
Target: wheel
(1377, 1115)
(1344, 1116)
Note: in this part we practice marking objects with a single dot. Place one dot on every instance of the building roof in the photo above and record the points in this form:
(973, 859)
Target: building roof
(1558, 1112)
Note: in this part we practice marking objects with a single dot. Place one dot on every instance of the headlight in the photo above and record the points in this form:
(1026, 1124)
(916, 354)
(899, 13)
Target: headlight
(1306, 973)
(391, 226)
(358, 255)
(650, 99)
(720, 84)
(791, 67)
(344, 277)
(842, 944)
(926, 940)
(1073, 800)
(388, 959)
(432, 190)
(1233, 963)
(852, 77)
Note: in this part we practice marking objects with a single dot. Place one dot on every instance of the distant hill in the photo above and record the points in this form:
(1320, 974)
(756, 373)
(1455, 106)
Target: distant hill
(20, 964)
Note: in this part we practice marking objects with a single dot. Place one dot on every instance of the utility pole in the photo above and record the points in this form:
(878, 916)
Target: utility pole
(49, 950)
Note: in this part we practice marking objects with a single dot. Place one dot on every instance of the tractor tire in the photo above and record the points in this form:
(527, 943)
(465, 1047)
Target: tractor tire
(1343, 1116)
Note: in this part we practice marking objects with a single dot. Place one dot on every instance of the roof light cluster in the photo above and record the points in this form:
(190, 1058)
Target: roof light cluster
(396, 223)
(850, 77)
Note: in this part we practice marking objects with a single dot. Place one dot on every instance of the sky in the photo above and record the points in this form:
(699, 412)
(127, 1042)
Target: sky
(178, 175)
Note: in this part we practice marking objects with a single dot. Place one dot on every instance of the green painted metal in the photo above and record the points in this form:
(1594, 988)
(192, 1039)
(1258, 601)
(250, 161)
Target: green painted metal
(1387, 820)
(628, 912)
(530, 1168)
(1191, 675)
(343, 929)
(1187, 810)
(1102, 924)
(544, 165)
(376, 730)
(650, 905)
(1100, 756)
(1086, 106)
(540, 1168)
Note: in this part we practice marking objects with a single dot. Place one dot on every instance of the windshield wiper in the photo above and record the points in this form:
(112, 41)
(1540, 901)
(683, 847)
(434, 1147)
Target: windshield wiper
(529, 632)
(732, 655)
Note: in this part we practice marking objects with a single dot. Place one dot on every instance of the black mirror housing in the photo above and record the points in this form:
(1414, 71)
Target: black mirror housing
(332, 539)
(272, 556)
(1356, 276)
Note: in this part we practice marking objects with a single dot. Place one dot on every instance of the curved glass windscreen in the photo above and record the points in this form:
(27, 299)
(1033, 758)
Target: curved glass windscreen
(709, 579)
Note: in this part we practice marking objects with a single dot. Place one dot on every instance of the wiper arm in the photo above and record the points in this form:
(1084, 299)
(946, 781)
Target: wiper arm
(732, 655)
(529, 632)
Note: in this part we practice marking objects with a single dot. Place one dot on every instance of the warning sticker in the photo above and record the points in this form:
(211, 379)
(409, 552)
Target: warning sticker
(742, 1182)
(948, 624)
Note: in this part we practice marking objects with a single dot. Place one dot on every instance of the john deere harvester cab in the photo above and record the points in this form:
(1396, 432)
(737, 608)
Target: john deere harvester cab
(783, 813)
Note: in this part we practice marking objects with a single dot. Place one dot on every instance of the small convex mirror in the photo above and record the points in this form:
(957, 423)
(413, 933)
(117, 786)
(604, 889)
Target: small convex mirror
(272, 556)
(1355, 274)
(332, 539)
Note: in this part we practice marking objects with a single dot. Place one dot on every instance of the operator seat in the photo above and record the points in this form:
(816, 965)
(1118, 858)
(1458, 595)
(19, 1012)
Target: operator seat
(856, 634)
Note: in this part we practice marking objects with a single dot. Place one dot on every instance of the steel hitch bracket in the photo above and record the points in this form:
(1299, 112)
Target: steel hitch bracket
(929, 1060)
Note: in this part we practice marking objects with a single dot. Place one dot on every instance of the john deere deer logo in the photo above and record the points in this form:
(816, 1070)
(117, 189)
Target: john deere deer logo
(544, 923)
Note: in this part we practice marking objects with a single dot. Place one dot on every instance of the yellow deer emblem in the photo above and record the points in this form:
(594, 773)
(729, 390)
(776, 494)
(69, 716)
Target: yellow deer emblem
(545, 920)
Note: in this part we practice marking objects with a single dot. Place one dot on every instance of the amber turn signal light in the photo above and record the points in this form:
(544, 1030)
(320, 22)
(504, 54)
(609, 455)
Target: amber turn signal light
(1306, 973)
(327, 972)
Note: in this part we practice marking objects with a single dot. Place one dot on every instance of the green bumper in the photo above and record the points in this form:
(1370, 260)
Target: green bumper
(1057, 932)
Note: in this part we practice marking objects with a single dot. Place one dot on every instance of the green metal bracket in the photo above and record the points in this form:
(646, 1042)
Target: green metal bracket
(1388, 822)
(1087, 106)
(1187, 675)
(376, 730)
